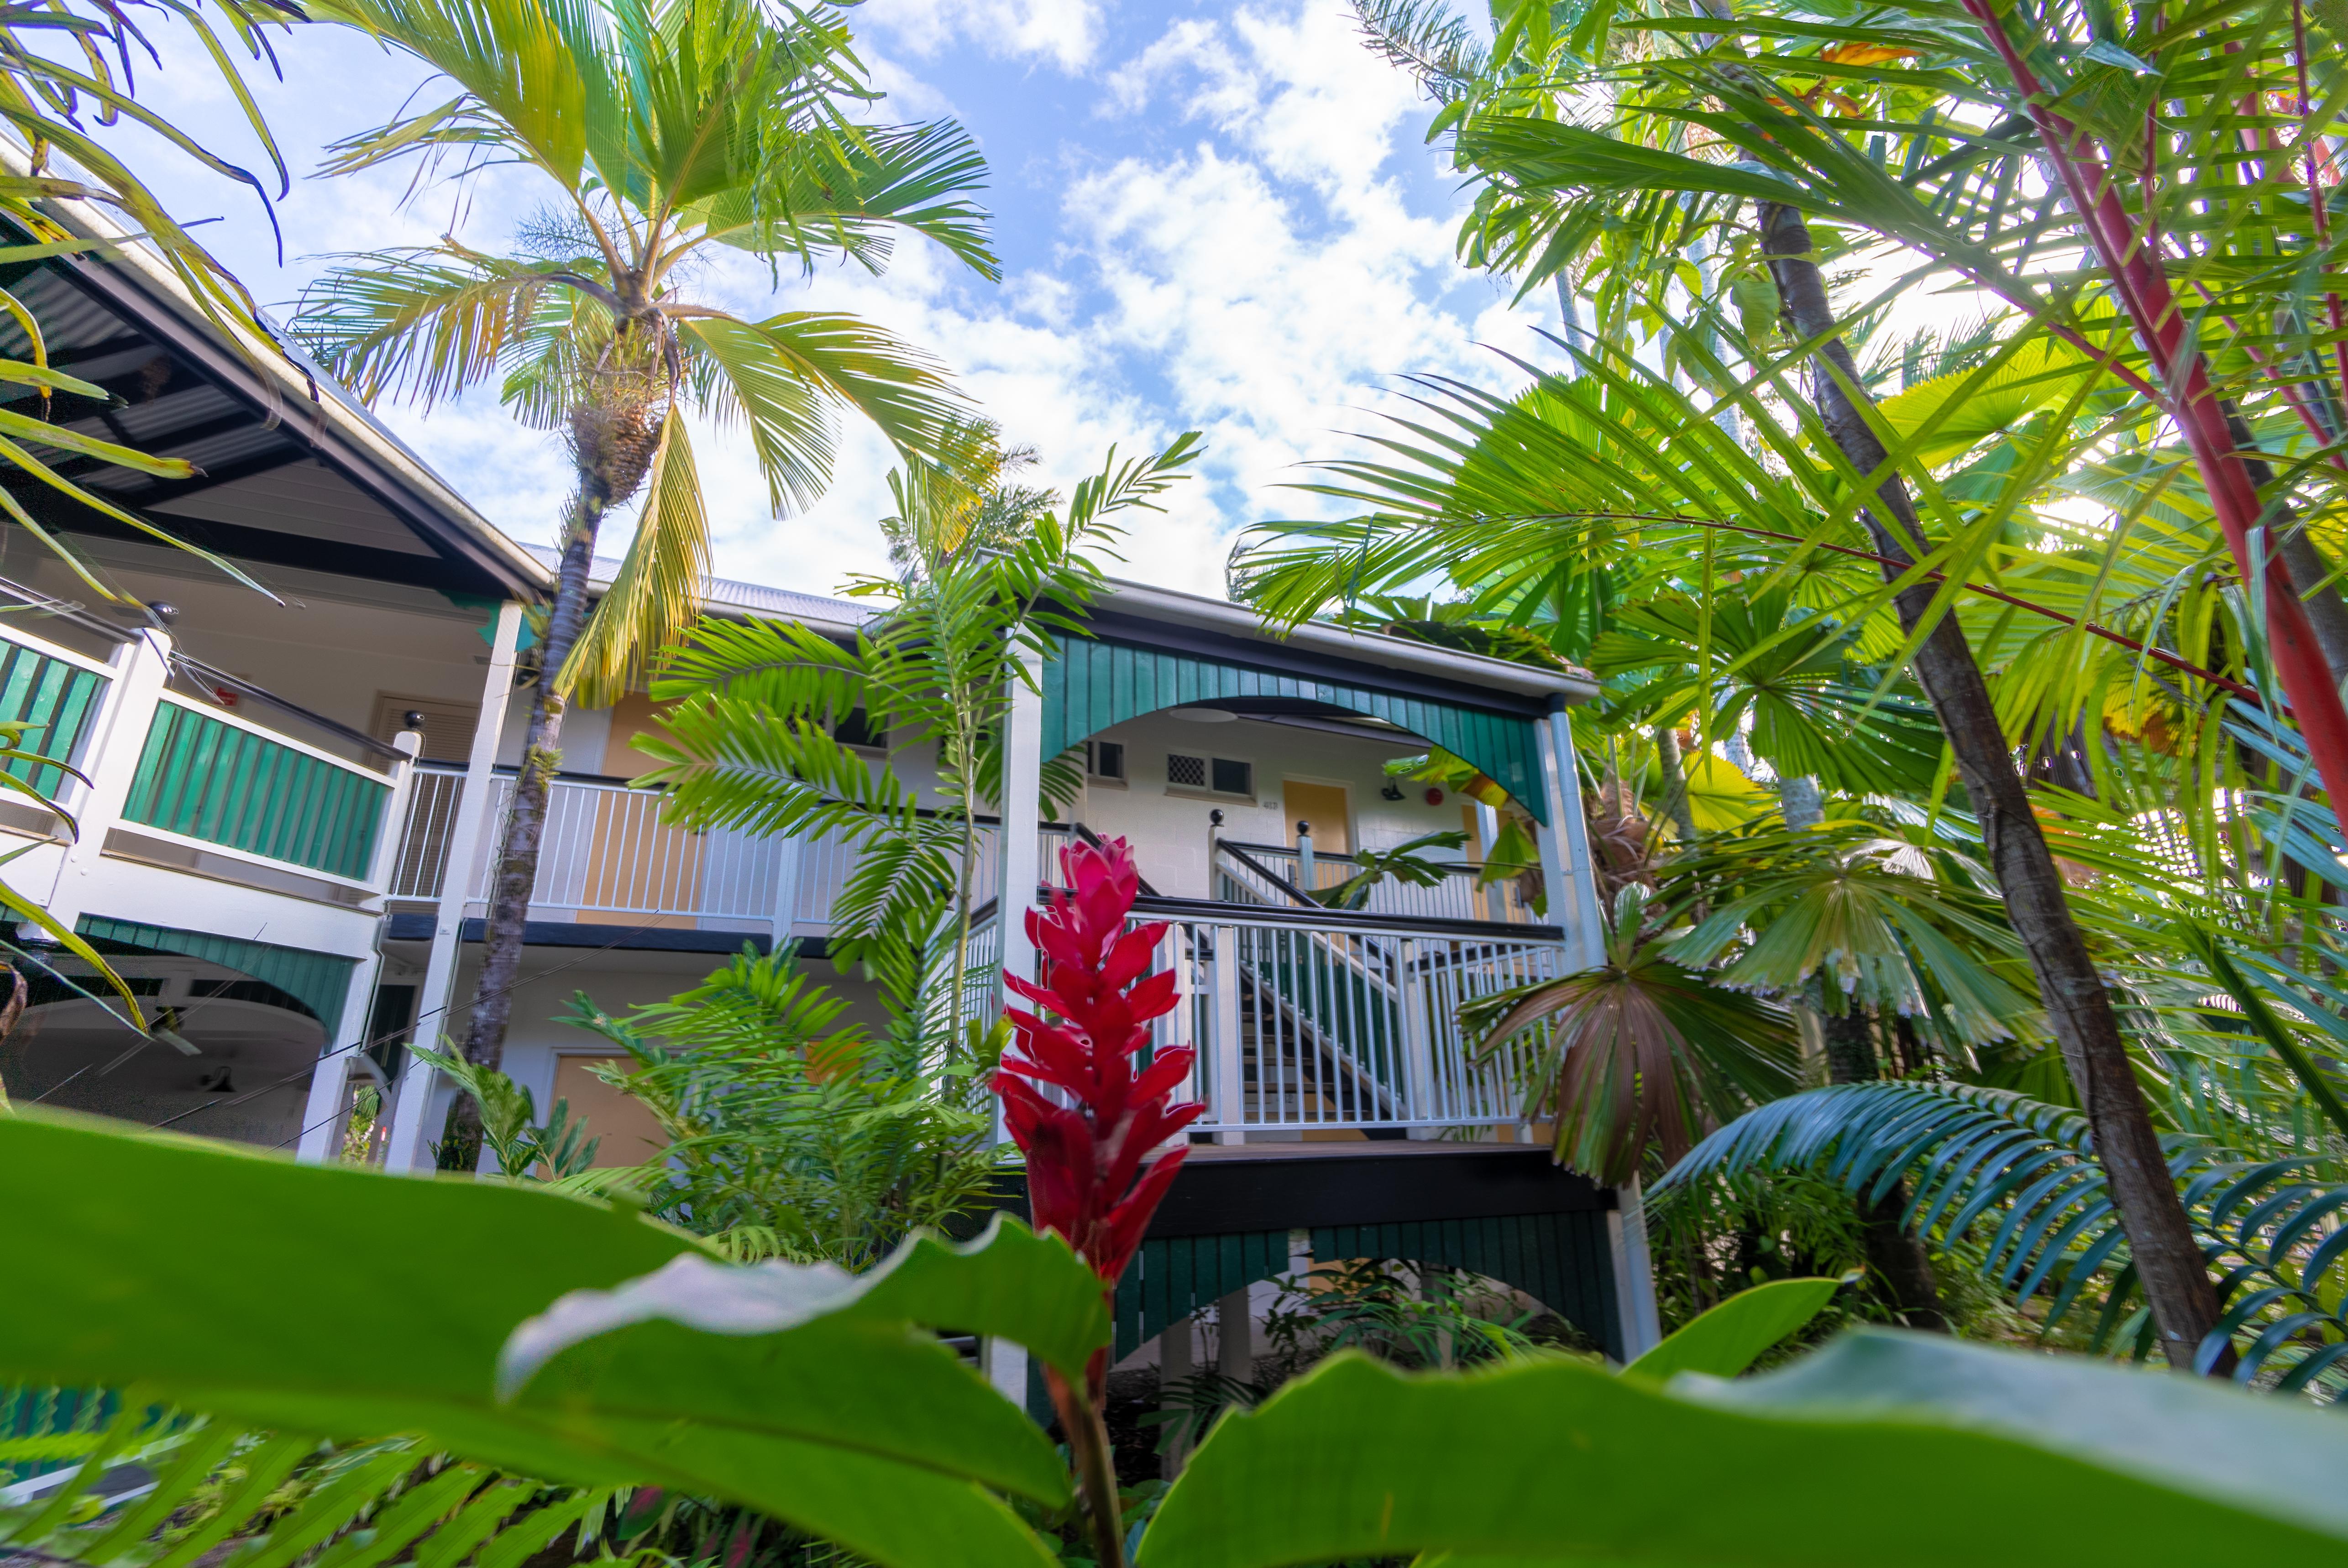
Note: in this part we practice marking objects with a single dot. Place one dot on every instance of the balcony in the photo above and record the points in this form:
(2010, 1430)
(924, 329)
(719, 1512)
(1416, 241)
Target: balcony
(1308, 1021)
(190, 769)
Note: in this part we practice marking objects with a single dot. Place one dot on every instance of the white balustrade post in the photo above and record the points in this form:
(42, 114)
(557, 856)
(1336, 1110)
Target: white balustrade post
(419, 1085)
(322, 1117)
(143, 667)
(1422, 1088)
(1565, 846)
(790, 860)
(1488, 836)
(1021, 868)
(1229, 1107)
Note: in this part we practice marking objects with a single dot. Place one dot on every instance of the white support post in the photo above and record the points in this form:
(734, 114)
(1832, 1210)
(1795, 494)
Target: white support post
(1235, 1336)
(1004, 1362)
(1229, 1106)
(1176, 1363)
(1634, 1280)
(322, 1118)
(419, 1085)
(1019, 860)
(1565, 846)
(143, 667)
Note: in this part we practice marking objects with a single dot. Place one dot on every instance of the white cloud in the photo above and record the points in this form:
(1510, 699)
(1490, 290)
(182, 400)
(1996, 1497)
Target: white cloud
(1066, 33)
(1255, 276)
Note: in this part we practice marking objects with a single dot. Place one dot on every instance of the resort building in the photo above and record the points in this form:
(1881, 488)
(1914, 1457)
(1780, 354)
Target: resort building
(288, 811)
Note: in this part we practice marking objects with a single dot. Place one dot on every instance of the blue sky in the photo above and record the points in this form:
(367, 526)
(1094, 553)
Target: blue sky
(1211, 216)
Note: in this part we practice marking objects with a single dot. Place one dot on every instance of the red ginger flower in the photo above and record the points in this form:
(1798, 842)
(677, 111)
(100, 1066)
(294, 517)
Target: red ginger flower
(1087, 1179)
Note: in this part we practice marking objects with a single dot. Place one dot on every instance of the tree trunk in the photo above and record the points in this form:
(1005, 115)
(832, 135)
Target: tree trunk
(2176, 1284)
(1673, 767)
(509, 914)
(2310, 573)
(1895, 1254)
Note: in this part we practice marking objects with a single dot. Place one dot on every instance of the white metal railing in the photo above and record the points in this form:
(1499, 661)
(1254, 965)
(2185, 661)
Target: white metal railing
(604, 850)
(1454, 898)
(1304, 1022)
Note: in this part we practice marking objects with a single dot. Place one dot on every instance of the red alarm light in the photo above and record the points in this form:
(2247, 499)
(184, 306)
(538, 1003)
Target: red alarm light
(1435, 797)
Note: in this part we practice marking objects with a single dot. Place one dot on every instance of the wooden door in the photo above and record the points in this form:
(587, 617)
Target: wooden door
(1323, 805)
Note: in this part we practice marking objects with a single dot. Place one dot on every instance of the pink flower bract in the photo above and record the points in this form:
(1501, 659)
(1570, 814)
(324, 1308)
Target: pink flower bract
(1089, 1177)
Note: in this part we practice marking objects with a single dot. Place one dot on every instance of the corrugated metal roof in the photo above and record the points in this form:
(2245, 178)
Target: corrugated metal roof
(722, 594)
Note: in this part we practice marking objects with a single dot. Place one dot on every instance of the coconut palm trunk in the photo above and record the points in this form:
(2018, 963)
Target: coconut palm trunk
(612, 445)
(2176, 1284)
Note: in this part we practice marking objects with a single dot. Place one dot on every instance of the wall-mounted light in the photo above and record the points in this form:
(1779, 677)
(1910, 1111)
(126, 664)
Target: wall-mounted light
(1393, 791)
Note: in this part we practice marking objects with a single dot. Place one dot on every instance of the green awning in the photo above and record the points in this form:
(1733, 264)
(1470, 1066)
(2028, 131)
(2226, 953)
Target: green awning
(319, 981)
(1091, 685)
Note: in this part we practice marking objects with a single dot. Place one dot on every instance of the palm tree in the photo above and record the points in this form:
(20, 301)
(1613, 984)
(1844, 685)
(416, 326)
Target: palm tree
(668, 132)
(2151, 199)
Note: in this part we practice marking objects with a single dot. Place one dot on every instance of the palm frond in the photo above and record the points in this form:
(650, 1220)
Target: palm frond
(655, 596)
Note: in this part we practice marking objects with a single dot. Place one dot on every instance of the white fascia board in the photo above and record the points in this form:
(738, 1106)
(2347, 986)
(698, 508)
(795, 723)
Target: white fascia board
(1373, 648)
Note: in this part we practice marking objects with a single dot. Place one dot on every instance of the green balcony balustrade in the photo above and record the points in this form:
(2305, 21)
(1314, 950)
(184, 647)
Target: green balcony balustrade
(56, 700)
(219, 782)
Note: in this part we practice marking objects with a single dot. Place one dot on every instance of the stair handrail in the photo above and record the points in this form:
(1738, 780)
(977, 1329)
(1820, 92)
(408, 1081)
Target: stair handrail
(1275, 878)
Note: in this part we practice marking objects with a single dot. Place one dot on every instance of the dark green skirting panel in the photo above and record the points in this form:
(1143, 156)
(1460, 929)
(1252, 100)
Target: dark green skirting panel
(1173, 1277)
(1561, 1260)
(1090, 684)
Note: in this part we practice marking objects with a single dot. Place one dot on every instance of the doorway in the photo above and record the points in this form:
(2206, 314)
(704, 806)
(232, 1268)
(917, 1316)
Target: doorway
(1323, 805)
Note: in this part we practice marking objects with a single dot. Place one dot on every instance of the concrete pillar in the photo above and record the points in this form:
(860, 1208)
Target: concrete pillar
(1235, 1338)
(1176, 1363)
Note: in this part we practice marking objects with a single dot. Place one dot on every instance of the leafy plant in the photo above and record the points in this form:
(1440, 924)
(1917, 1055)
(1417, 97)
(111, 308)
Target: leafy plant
(1640, 1050)
(791, 1133)
(1404, 863)
(751, 744)
(140, 1486)
(819, 1400)
(661, 133)
(526, 1150)
(2013, 1182)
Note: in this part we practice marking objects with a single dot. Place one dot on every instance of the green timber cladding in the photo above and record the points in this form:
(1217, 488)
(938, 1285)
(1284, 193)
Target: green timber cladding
(55, 701)
(225, 784)
(319, 981)
(1091, 683)
(1561, 1260)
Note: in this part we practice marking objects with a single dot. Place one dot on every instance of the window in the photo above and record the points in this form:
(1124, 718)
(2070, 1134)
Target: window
(1217, 775)
(1105, 759)
(857, 729)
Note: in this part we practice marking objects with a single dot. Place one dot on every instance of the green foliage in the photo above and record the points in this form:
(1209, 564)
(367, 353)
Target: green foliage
(2013, 1184)
(525, 1149)
(1356, 1461)
(1726, 1340)
(663, 134)
(1640, 1050)
(791, 1133)
(822, 1400)
(272, 1500)
(754, 704)
(851, 1429)
(1400, 863)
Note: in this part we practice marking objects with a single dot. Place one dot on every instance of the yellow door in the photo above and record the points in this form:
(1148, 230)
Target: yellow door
(1323, 805)
(629, 1134)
